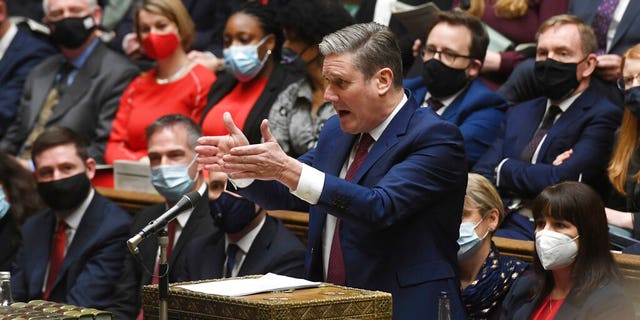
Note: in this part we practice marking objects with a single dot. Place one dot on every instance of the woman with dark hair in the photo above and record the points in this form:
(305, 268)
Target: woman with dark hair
(252, 77)
(575, 274)
(175, 85)
(18, 200)
(299, 112)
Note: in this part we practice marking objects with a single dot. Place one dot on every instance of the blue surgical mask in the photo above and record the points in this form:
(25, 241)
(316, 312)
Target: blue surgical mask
(172, 181)
(232, 214)
(243, 61)
(4, 204)
(469, 241)
(632, 100)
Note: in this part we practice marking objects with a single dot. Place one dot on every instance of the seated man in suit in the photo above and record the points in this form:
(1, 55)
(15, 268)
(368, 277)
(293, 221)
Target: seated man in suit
(171, 140)
(78, 89)
(566, 135)
(252, 242)
(20, 51)
(71, 253)
(617, 29)
(455, 47)
(384, 186)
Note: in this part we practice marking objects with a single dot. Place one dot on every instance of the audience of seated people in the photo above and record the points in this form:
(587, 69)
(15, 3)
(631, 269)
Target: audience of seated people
(253, 75)
(485, 276)
(171, 140)
(72, 252)
(79, 88)
(617, 28)
(19, 200)
(452, 56)
(21, 48)
(575, 276)
(565, 135)
(299, 112)
(251, 242)
(176, 85)
(624, 204)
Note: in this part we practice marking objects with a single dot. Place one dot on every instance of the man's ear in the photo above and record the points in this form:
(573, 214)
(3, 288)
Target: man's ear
(90, 163)
(590, 66)
(384, 81)
(473, 70)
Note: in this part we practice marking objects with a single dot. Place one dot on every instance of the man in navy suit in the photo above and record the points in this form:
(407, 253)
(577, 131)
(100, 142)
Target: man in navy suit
(455, 47)
(384, 186)
(566, 135)
(20, 50)
(71, 253)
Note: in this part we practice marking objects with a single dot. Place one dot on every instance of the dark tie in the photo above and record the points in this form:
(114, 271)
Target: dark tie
(232, 250)
(336, 273)
(602, 20)
(547, 123)
(56, 256)
(55, 94)
(434, 104)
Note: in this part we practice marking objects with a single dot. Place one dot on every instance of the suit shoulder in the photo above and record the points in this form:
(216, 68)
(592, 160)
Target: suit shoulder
(283, 235)
(111, 208)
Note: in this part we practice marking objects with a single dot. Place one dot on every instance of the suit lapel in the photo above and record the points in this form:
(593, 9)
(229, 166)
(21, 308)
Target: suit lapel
(9, 59)
(527, 123)
(40, 253)
(574, 111)
(190, 230)
(41, 87)
(255, 258)
(629, 17)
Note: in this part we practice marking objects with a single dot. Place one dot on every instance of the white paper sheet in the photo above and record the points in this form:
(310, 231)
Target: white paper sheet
(242, 287)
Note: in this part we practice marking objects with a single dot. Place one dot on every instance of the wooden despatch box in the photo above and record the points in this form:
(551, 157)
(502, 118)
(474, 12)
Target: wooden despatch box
(325, 302)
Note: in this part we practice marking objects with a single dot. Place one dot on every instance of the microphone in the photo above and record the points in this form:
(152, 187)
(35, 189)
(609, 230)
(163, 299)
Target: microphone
(188, 201)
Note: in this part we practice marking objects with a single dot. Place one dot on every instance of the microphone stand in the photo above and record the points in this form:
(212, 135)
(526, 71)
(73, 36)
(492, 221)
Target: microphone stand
(163, 275)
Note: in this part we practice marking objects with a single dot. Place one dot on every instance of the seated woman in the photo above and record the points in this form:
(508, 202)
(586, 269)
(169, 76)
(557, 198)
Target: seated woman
(299, 112)
(485, 276)
(575, 275)
(175, 85)
(623, 208)
(253, 75)
(19, 199)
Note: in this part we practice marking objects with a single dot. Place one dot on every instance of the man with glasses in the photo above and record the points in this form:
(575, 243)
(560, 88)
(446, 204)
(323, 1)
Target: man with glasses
(565, 135)
(455, 48)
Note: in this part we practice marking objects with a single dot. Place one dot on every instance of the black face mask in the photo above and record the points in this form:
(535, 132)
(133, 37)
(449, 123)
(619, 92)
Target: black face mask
(72, 32)
(67, 193)
(232, 214)
(441, 80)
(558, 79)
(632, 100)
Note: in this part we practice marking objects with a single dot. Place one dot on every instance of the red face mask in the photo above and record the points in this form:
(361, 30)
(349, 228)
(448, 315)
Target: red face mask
(160, 46)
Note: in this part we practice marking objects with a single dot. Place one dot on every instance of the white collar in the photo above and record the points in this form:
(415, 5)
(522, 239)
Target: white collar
(377, 131)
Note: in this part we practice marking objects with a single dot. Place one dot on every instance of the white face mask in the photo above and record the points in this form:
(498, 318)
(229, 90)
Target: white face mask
(555, 250)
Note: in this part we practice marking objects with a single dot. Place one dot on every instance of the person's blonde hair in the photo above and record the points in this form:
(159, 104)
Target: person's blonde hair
(175, 11)
(507, 9)
(483, 196)
(627, 139)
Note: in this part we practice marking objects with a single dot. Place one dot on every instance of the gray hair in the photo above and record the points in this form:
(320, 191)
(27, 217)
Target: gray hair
(374, 47)
(45, 5)
(173, 120)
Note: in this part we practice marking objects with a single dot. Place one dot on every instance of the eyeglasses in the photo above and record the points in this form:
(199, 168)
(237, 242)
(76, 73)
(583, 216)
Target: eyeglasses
(627, 82)
(445, 56)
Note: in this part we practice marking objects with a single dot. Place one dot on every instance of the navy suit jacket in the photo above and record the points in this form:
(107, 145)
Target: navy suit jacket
(477, 111)
(24, 52)
(608, 302)
(587, 127)
(275, 249)
(399, 216)
(91, 266)
(127, 298)
(628, 31)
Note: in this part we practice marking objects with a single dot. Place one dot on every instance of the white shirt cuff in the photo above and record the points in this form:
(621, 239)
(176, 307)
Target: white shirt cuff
(498, 168)
(310, 184)
(241, 183)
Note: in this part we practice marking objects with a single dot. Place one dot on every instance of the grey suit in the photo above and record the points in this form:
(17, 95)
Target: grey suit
(88, 105)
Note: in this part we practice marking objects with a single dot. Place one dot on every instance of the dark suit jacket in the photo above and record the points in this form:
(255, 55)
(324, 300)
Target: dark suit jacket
(88, 105)
(477, 111)
(281, 77)
(587, 127)
(608, 302)
(90, 268)
(24, 52)
(399, 217)
(10, 238)
(126, 298)
(275, 249)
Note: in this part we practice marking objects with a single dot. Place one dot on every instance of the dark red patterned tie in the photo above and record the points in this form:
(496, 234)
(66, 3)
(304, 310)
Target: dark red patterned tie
(58, 245)
(336, 273)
